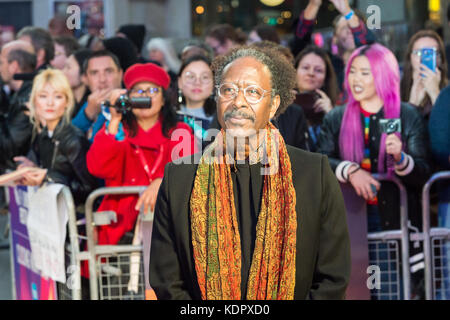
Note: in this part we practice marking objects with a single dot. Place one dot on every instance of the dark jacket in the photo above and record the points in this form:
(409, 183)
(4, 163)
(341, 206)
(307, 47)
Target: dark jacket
(439, 130)
(293, 127)
(64, 155)
(413, 135)
(323, 248)
(15, 128)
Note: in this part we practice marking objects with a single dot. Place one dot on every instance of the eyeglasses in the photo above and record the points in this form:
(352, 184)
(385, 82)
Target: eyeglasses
(191, 78)
(253, 93)
(149, 92)
(418, 52)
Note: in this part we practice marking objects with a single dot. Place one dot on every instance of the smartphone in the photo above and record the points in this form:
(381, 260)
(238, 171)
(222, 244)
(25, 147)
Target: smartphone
(306, 100)
(428, 58)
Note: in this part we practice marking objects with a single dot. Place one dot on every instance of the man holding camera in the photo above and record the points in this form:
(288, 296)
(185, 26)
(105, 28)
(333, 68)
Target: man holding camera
(102, 74)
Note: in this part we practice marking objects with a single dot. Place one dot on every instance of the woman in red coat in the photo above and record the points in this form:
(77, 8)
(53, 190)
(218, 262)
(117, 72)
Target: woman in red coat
(134, 147)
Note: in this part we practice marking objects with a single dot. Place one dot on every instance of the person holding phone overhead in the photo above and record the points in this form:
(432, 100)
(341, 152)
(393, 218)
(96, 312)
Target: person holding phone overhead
(377, 133)
(420, 84)
(317, 88)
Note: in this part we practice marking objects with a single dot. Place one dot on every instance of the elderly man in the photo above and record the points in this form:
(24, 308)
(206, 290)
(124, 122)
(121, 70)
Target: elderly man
(255, 219)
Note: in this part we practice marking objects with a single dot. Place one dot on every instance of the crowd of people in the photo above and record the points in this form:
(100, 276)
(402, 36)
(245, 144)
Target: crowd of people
(60, 112)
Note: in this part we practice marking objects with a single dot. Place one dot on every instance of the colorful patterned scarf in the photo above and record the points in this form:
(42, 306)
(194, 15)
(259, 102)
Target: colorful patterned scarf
(215, 232)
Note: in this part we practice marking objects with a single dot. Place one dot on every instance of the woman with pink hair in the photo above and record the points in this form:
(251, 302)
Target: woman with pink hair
(377, 133)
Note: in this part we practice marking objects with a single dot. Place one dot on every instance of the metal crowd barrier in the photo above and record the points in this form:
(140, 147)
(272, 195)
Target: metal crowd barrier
(71, 290)
(109, 265)
(437, 269)
(384, 246)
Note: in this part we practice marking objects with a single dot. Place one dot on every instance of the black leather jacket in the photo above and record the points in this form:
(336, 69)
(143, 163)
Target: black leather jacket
(15, 128)
(413, 135)
(64, 155)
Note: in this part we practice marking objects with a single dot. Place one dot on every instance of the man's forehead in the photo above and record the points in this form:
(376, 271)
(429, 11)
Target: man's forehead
(239, 64)
(99, 63)
(18, 45)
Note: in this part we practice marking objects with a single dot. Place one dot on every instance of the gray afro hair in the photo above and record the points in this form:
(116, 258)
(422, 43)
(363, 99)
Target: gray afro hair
(283, 74)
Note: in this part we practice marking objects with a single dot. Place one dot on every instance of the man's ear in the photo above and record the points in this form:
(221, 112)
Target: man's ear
(40, 56)
(275, 105)
(13, 68)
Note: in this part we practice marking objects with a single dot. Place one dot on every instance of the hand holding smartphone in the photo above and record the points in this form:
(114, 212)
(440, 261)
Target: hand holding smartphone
(428, 58)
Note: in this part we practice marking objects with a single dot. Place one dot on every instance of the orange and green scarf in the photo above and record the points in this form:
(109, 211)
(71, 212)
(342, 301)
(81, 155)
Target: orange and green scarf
(215, 233)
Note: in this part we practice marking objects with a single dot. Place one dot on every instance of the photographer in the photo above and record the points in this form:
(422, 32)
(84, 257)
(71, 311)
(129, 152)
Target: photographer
(134, 146)
(420, 85)
(358, 146)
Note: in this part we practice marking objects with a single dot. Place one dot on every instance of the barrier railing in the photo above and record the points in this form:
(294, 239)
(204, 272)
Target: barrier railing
(429, 233)
(96, 253)
(402, 234)
(73, 248)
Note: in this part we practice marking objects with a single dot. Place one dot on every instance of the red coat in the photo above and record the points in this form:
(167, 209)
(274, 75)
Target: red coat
(119, 164)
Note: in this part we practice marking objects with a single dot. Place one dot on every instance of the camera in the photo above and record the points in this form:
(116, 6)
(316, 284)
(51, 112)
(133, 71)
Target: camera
(390, 126)
(124, 103)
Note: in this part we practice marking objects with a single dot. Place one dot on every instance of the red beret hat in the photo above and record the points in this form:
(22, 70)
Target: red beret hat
(146, 72)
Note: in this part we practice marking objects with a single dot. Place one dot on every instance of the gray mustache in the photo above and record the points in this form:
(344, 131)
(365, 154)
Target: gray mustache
(238, 114)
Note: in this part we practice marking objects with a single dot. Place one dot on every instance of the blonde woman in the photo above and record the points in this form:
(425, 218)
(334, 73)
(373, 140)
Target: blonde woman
(59, 149)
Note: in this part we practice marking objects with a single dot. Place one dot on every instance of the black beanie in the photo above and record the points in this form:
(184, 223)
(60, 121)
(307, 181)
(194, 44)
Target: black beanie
(123, 49)
(134, 32)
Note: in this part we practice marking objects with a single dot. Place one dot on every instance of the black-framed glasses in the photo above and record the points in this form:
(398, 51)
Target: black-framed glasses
(149, 92)
(253, 93)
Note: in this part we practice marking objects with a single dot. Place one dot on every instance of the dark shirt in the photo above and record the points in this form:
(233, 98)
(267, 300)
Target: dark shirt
(247, 190)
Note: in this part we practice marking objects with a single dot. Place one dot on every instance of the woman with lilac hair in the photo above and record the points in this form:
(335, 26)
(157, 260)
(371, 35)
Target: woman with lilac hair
(359, 145)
